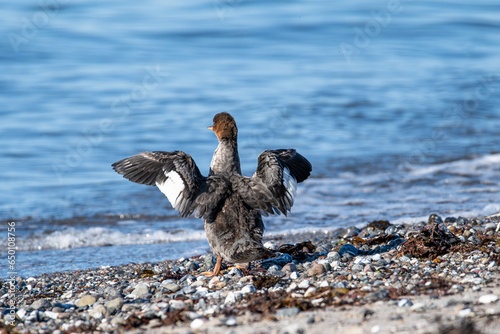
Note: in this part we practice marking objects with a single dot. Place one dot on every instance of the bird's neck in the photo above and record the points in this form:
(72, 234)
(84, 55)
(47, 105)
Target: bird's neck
(226, 159)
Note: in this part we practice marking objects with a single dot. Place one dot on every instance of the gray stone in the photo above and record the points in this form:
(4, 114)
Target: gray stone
(172, 287)
(357, 268)
(287, 312)
(277, 273)
(316, 269)
(192, 266)
(117, 321)
(187, 290)
(177, 304)
(405, 303)
(368, 268)
(249, 288)
(98, 312)
(475, 240)
(208, 261)
(111, 292)
(140, 290)
(333, 256)
(230, 298)
(377, 295)
(273, 268)
(85, 300)
(41, 304)
(490, 226)
(235, 272)
(114, 305)
(289, 267)
(347, 257)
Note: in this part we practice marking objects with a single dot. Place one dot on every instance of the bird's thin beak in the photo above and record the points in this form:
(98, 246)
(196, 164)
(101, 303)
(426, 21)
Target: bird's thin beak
(210, 128)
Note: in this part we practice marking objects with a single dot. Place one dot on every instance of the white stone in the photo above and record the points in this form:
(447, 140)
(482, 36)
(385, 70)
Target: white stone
(249, 288)
(67, 295)
(197, 284)
(304, 284)
(270, 245)
(362, 260)
(335, 265)
(50, 314)
(465, 313)
(405, 302)
(231, 321)
(230, 298)
(291, 287)
(65, 327)
(487, 299)
(21, 313)
(309, 292)
(196, 324)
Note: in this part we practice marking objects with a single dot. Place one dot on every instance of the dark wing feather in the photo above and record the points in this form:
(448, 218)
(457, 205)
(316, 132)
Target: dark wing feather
(255, 194)
(280, 171)
(175, 174)
(211, 197)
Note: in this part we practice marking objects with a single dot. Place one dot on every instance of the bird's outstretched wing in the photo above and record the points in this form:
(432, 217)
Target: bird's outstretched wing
(177, 176)
(273, 187)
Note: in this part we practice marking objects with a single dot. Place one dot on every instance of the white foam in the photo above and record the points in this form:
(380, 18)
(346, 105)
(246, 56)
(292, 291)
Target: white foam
(466, 167)
(99, 236)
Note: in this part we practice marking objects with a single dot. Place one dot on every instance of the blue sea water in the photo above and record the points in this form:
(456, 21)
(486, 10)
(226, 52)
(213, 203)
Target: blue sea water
(395, 103)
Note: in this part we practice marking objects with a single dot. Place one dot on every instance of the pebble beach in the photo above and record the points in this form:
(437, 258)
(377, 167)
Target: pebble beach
(437, 276)
(394, 103)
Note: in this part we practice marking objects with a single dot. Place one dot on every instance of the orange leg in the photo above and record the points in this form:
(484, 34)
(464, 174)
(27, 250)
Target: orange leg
(216, 269)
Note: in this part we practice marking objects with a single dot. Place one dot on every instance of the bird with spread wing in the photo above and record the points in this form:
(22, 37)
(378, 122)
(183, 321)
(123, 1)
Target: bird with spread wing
(230, 204)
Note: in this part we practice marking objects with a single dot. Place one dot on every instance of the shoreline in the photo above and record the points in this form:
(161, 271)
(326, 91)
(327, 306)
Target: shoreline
(431, 277)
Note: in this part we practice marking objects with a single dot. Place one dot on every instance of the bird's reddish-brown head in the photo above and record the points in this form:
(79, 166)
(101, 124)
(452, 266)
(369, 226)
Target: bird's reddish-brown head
(224, 126)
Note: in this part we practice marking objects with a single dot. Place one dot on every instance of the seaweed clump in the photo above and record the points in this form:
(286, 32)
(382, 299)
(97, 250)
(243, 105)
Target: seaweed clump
(434, 240)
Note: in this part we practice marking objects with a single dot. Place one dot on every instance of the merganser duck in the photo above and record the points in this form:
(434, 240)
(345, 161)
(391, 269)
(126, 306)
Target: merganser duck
(230, 204)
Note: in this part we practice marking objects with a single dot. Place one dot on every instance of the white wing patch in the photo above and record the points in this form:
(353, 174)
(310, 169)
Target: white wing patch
(290, 184)
(172, 188)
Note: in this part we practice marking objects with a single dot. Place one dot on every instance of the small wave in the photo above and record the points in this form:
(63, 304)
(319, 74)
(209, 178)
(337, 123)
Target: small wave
(478, 166)
(99, 236)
